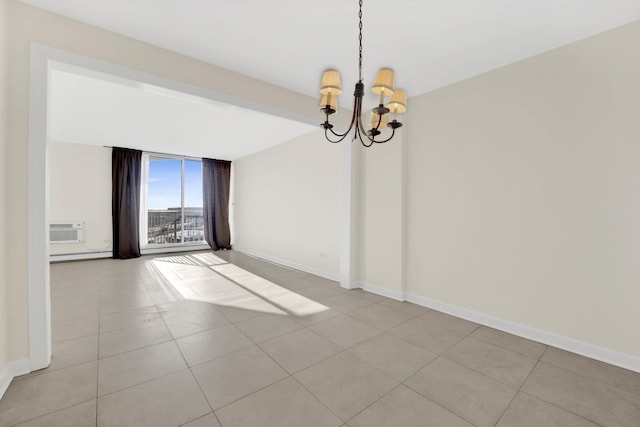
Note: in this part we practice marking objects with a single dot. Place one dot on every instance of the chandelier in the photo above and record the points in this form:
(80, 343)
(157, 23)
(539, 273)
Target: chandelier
(383, 85)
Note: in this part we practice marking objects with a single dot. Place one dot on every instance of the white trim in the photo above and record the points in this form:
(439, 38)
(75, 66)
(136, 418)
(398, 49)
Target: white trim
(290, 264)
(348, 216)
(592, 351)
(12, 370)
(79, 256)
(382, 291)
(39, 313)
(42, 60)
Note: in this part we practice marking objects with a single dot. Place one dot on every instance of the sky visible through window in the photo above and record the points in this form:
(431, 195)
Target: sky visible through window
(165, 187)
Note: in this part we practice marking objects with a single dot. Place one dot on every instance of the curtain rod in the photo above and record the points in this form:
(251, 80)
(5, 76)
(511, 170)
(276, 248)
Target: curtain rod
(158, 153)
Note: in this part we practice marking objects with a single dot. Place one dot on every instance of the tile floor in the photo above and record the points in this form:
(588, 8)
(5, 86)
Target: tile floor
(223, 339)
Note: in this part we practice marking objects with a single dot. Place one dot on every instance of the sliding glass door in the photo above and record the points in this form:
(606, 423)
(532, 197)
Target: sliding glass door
(172, 202)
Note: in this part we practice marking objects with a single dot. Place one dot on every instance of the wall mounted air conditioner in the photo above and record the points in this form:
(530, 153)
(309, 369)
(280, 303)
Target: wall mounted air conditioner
(66, 232)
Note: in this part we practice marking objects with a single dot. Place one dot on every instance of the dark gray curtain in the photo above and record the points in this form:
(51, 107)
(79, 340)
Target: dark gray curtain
(216, 179)
(126, 166)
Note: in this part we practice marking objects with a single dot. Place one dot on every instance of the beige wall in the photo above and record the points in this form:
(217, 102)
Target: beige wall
(523, 192)
(29, 24)
(287, 204)
(80, 190)
(380, 207)
(4, 103)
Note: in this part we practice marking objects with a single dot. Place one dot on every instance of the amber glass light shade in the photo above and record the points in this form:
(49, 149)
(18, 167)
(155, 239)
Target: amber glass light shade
(384, 82)
(398, 102)
(330, 83)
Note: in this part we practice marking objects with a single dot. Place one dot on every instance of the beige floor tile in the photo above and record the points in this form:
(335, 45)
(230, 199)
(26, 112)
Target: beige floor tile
(345, 303)
(510, 342)
(468, 394)
(81, 415)
(232, 377)
(451, 322)
(345, 384)
(66, 299)
(169, 401)
(74, 352)
(123, 340)
(381, 317)
(613, 375)
(184, 307)
(121, 290)
(28, 398)
(404, 407)
(428, 335)
(493, 361)
(284, 404)
(205, 346)
(299, 350)
(190, 323)
(195, 301)
(345, 330)
(404, 307)
(246, 308)
(369, 296)
(127, 319)
(267, 327)
(208, 420)
(165, 296)
(312, 319)
(589, 398)
(318, 292)
(135, 367)
(527, 411)
(76, 312)
(295, 284)
(71, 329)
(393, 356)
(125, 302)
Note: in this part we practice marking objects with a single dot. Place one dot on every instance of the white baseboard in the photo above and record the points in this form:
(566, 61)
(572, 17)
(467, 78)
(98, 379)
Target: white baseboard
(290, 264)
(379, 290)
(79, 256)
(12, 370)
(592, 351)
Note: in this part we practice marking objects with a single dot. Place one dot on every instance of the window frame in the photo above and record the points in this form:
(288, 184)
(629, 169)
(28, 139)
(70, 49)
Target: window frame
(145, 247)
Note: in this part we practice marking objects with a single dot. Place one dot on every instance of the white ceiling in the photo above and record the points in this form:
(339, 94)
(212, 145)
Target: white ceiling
(93, 111)
(429, 43)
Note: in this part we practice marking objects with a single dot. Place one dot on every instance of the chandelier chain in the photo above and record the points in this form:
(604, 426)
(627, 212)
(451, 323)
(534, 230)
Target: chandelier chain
(360, 42)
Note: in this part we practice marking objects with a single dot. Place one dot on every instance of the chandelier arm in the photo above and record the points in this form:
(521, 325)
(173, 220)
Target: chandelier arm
(358, 134)
(357, 108)
(326, 135)
(362, 131)
(393, 132)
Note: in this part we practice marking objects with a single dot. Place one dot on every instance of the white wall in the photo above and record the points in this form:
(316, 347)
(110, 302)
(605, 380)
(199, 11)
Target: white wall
(287, 204)
(523, 192)
(80, 190)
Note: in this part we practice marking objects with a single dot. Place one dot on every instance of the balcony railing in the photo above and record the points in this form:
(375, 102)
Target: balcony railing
(167, 226)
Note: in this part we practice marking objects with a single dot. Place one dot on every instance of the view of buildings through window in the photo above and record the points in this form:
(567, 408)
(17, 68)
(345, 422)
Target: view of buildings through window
(174, 201)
